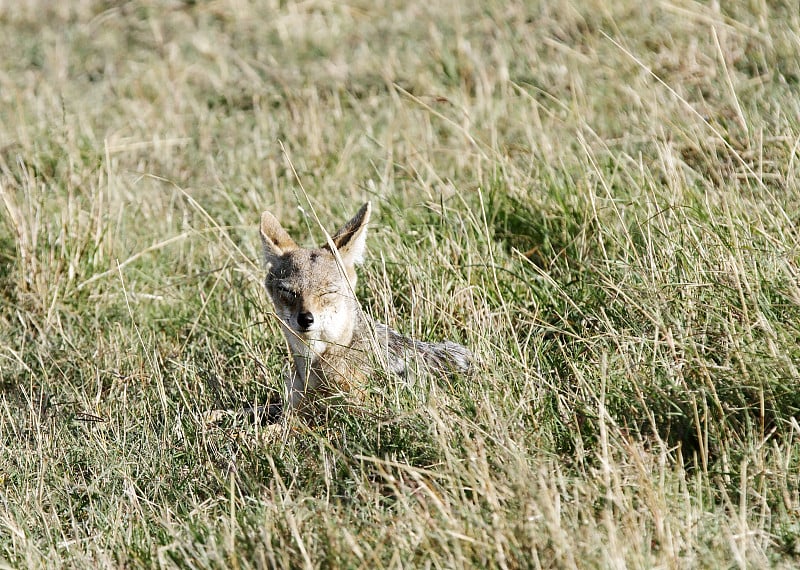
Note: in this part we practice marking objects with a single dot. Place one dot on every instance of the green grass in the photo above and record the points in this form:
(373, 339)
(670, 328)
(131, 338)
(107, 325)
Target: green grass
(600, 199)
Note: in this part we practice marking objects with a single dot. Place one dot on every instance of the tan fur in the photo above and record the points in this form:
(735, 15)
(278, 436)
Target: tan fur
(332, 344)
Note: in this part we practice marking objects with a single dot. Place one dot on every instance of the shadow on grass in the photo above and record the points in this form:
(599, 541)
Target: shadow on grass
(711, 389)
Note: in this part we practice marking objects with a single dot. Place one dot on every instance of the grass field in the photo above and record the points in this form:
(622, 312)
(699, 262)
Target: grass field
(599, 198)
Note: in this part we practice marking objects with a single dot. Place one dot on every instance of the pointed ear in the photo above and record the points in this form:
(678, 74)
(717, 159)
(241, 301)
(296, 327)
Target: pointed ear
(351, 239)
(274, 238)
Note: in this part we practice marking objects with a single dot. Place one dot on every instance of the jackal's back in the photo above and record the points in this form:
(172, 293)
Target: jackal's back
(405, 355)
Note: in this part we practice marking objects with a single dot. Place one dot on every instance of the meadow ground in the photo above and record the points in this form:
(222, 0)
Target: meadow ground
(599, 198)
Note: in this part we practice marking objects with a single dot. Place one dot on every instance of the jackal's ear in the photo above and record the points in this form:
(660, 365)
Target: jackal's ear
(351, 239)
(274, 238)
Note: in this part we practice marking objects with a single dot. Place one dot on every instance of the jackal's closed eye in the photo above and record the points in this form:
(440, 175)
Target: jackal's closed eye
(287, 295)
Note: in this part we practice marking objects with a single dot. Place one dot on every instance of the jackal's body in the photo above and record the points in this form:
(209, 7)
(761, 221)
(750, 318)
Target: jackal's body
(332, 343)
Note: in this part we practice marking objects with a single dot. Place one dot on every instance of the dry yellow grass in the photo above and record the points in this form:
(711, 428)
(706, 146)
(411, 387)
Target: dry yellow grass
(599, 198)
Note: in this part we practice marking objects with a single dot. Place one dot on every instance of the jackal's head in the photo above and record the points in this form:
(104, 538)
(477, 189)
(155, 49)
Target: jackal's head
(313, 293)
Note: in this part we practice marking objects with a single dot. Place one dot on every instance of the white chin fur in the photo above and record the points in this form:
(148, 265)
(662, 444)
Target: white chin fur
(307, 342)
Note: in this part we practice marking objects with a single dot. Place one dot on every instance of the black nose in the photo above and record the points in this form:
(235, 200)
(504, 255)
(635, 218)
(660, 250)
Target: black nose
(305, 320)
